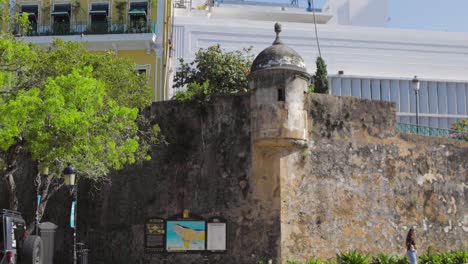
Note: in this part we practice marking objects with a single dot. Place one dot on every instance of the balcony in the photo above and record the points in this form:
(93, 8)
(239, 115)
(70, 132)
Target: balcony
(95, 28)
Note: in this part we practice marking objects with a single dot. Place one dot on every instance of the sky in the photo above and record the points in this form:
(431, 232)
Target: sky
(441, 15)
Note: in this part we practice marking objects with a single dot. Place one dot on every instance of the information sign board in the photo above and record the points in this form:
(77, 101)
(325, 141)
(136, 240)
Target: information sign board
(216, 235)
(185, 235)
(154, 235)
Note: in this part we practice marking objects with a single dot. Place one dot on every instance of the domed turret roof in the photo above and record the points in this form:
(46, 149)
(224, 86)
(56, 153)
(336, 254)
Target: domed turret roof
(278, 56)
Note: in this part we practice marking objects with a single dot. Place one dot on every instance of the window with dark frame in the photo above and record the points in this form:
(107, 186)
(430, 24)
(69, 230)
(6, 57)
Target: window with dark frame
(32, 10)
(141, 71)
(138, 16)
(61, 19)
(99, 17)
(281, 95)
(33, 13)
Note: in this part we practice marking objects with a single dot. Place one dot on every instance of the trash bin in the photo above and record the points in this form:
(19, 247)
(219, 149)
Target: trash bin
(47, 230)
(82, 253)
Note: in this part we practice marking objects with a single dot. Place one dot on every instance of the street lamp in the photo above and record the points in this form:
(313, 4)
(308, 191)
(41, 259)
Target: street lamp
(69, 174)
(415, 84)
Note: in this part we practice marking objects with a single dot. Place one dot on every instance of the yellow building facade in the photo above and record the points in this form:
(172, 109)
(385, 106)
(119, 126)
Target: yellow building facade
(136, 29)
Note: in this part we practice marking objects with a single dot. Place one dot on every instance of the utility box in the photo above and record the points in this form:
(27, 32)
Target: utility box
(48, 239)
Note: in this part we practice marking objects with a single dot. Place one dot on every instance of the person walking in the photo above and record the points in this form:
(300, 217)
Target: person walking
(411, 247)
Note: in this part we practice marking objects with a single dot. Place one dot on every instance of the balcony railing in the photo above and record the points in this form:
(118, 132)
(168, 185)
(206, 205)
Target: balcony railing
(432, 131)
(94, 28)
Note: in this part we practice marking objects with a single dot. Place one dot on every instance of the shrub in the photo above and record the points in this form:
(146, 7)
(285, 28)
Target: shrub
(383, 259)
(460, 130)
(321, 84)
(352, 257)
(460, 256)
(401, 260)
(454, 257)
(195, 93)
(314, 261)
(355, 257)
(226, 72)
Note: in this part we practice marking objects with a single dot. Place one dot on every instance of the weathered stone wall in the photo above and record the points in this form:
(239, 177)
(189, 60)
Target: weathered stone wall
(204, 167)
(361, 185)
(357, 184)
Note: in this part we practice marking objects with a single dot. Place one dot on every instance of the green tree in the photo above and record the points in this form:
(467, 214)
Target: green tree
(195, 93)
(225, 72)
(17, 23)
(67, 105)
(118, 74)
(321, 84)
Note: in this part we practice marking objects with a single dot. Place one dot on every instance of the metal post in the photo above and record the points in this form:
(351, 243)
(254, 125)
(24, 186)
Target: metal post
(417, 116)
(69, 174)
(415, 84)
(75, 198)
(417, 106)
(36, 227)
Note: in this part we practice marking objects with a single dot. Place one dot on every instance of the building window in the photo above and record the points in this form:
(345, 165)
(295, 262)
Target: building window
(61, 19)
(33, 12)
(138, 17)
(281, 95)
(99, 13)
(141, 71)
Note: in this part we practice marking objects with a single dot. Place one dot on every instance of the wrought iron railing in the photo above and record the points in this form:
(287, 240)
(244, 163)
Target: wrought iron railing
(432, 131)
(94, 28)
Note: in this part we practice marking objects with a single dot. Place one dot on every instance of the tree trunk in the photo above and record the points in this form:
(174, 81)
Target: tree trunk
(45, 184)
(9, 174)
(11, 190)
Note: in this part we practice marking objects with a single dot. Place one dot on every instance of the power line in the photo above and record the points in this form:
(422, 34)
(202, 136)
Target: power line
(316, 32)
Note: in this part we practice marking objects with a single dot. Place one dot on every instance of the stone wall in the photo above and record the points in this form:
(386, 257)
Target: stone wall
(204, 167)
(358, 184)
(361, 185)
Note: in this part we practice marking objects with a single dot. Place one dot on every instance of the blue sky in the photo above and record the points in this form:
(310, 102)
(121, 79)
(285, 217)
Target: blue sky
(441, 15)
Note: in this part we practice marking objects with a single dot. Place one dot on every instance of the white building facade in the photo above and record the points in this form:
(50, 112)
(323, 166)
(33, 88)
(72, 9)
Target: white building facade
(367, 13)
(374, 62)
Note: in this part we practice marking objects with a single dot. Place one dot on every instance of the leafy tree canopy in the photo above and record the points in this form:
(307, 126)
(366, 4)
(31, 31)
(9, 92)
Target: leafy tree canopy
(116, 73)
(68, 105)
(71, 119)
(223, 72)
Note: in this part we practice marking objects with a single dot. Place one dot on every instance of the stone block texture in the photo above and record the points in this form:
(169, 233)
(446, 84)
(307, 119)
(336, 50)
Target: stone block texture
(356, 184)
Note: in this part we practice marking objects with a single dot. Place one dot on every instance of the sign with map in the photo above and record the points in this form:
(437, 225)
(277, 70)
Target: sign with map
(185, 235)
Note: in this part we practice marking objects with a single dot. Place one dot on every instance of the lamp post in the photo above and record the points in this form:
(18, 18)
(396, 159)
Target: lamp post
(69, 174)
(415, 84)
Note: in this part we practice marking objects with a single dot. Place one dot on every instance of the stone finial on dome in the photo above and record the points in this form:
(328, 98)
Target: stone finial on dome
(278, 56)
(278, 31)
